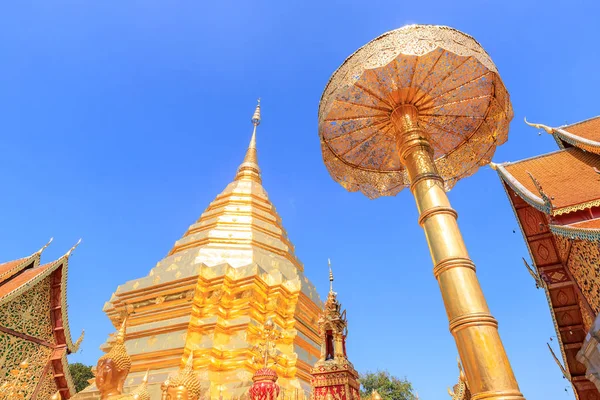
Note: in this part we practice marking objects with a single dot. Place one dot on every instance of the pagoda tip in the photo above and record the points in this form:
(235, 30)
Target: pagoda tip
(256, 117)
(540, 126)
(494, 166)
(330, 275)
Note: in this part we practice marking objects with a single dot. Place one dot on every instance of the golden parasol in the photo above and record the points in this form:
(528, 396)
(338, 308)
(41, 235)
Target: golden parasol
(423, 106)
(446, 75)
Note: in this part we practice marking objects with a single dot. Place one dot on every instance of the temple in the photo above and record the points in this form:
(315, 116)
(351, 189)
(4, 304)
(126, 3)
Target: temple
(232, 270)
(34, 329)
(334, 376)
(556, 199)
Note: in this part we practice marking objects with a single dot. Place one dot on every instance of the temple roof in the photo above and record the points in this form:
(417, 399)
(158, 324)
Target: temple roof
(556, 183)
(584, 135)
(19, 276)
(588, 129)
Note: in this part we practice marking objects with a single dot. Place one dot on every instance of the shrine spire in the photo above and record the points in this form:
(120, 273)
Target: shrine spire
(249, 169)
(330, 276)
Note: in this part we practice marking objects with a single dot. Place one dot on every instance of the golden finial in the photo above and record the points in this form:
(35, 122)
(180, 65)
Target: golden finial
(189, 365)
(256, 116)
(540, 126)
(56, 396)
(120, 339)
(330, 275)
(73, 248)
(249, 168)
(45, 246)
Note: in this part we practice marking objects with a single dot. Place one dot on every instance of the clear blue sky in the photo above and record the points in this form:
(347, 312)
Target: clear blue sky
(121, 120)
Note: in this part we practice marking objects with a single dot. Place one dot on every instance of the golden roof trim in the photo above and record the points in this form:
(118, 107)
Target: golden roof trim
(528, 196)
(572, 232)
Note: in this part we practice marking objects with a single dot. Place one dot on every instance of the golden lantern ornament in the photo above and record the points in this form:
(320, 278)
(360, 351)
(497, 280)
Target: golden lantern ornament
(422, 107)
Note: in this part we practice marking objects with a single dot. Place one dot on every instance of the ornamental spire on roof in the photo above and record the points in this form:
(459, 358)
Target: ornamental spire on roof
(330, 276)
(249, 169)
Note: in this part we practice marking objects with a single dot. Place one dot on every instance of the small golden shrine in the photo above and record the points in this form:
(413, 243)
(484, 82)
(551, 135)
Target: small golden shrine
(556, 199)
(232, 270)
(34, 329)
(334, 375)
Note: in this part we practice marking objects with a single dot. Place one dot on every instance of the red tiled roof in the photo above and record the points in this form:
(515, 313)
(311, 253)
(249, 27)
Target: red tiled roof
(22, 279)
(589, 224)
(567, 177)
(10, 268)
(588, 129)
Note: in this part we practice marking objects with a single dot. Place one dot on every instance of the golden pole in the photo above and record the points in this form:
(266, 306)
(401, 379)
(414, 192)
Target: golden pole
(475, 330)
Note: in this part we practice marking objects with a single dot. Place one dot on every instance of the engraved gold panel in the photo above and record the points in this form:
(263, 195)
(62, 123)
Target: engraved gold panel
(29, 313)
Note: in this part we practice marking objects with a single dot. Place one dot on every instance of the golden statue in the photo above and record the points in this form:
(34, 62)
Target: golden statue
(184, 386)
(113, 368)
(141, 393)
(461, 389)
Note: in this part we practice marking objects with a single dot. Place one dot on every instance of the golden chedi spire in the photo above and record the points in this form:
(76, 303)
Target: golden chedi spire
(236, 248)
(249, 168)
(113, 367)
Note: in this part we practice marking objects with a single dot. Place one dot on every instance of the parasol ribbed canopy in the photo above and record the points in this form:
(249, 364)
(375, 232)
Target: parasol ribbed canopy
(463, 107)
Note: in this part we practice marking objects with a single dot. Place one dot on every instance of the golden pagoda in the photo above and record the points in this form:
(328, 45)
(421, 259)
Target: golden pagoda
(34, 329)
(232, 270)
(556, 200)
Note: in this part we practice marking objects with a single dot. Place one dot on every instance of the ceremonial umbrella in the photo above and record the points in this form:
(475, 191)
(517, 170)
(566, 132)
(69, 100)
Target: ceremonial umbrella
(422, 107)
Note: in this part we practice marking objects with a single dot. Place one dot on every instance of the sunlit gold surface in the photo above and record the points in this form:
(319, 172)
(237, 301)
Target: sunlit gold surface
(232, 270)
(446, 75)
(183, 386)
(424, 106)
(113, 367)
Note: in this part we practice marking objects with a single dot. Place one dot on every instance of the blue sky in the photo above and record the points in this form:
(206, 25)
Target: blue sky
(121, 120)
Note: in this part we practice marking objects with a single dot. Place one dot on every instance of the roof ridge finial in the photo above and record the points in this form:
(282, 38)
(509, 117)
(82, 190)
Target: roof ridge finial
(40, 251)
(540, 126)
(330, 276)
(73, 248)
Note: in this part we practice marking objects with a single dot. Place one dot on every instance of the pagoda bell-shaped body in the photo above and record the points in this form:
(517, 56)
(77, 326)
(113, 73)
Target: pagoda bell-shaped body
(334, 376)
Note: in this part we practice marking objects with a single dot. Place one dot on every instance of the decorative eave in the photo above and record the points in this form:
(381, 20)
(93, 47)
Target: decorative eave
(528, 196)
(572, 232)
(43, 272)
(564, 136)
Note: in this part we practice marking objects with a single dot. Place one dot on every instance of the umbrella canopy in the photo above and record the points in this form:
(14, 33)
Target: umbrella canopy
(462, 104)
